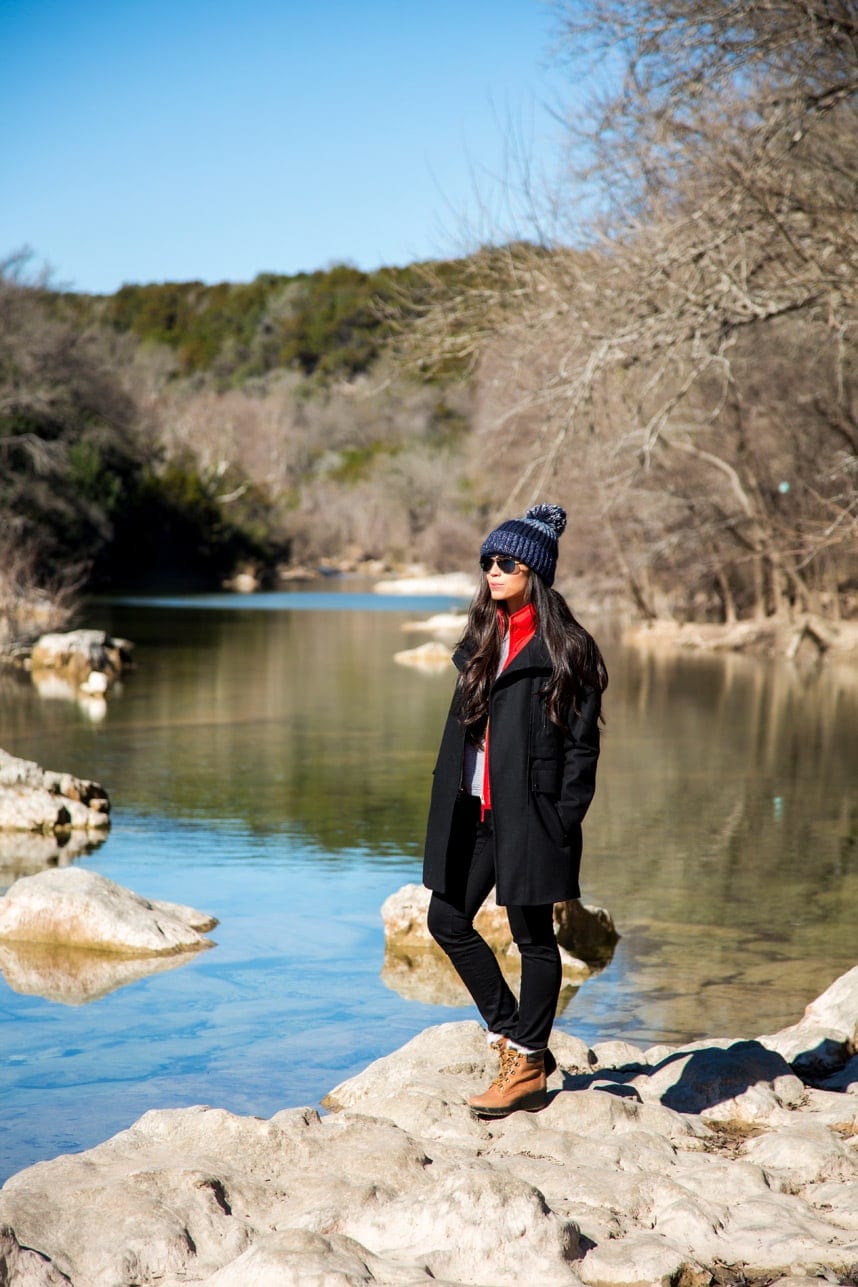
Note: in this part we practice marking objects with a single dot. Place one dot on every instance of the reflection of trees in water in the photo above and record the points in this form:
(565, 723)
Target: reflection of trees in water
(274, 719)
(723, 837)
(728, 784)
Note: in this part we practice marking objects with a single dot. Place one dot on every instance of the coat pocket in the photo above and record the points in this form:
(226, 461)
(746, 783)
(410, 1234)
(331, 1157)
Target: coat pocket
(545, 777)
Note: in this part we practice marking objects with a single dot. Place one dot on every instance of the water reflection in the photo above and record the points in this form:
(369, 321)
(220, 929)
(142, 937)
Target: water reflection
(74, 976)
(263, 717)
(724, 839)
(426, 975)
(23, 853)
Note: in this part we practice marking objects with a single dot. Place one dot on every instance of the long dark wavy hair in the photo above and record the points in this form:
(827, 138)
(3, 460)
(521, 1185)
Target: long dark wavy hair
(577, 664)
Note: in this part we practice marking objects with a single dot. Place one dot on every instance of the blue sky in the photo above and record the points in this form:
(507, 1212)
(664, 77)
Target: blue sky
(152, 140)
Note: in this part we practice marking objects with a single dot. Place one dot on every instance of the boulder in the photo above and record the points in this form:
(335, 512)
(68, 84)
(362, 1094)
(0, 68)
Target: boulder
(444, 626)
(625, 1177)
(415, 967)
(78, 908)
(587, 933)
(90, 660)
(37, 799)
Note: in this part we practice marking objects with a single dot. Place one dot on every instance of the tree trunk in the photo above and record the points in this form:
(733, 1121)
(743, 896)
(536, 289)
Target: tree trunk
(728, 603)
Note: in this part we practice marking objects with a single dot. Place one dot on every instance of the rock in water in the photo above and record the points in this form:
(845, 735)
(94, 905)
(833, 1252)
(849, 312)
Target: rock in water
(79, 655)
(415, 966)
(83, 909)
(37, 799)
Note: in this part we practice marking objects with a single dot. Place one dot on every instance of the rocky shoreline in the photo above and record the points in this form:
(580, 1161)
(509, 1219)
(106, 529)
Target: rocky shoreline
(806, 638)
(714, 1162)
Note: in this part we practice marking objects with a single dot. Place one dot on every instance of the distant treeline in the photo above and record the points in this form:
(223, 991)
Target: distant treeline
(332, 323)
(172, 432)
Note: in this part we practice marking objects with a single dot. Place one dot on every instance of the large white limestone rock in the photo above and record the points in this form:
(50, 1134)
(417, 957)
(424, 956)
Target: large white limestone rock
(586, 933)
(83, 909)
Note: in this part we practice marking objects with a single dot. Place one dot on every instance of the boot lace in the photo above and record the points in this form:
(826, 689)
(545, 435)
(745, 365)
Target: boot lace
(508, 1060)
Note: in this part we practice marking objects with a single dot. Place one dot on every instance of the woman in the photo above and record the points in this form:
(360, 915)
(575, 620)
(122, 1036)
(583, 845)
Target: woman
(514, 777)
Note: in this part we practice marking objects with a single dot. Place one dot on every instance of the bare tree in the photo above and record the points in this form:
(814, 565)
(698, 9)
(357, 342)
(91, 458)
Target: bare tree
(697, 362)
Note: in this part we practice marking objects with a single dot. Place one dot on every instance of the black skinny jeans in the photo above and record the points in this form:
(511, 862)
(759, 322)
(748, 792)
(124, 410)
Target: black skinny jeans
(471, 875)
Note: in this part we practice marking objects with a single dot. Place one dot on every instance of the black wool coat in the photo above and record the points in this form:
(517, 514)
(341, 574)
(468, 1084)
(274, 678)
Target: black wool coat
(541, 780)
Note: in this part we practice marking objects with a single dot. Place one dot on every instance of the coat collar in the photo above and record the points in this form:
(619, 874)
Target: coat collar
(533, 657)
(531, 653)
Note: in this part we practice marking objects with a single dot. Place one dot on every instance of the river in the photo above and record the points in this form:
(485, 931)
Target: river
(269, 763)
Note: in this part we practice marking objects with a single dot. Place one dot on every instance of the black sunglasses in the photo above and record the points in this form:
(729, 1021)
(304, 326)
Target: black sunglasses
(506, 563)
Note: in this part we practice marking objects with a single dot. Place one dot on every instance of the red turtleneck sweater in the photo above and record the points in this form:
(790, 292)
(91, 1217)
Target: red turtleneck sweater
(522, 628)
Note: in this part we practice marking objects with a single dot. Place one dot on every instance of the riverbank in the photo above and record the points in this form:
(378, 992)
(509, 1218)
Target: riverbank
(719, 1161)
(803, 638)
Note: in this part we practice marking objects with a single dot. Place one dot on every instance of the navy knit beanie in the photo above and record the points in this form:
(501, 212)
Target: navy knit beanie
(531, 540)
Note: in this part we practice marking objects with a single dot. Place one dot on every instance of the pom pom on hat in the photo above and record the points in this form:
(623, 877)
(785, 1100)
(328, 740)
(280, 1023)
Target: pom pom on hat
(531, 539)
(553, 516)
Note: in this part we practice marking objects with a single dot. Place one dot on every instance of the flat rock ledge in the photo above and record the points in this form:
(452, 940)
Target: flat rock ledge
(416, 968)
(709, 1163)
(74, 908)
(33, 799)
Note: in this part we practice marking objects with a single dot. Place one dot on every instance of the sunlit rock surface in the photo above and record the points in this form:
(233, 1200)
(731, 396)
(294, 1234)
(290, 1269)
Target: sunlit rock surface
(699, 1164)
(37, 799)
(827, 1032)
(416, 968)
(78, 908)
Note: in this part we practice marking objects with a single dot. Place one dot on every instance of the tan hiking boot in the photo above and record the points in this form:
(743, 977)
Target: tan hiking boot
(500, 1044)
(519, 1085)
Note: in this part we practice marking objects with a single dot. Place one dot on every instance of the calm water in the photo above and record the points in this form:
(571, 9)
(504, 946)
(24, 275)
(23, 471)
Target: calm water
(269, 763)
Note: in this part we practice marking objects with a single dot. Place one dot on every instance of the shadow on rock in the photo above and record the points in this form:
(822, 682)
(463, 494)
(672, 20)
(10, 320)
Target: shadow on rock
(729, 1080)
